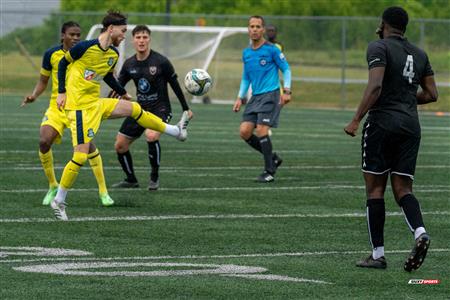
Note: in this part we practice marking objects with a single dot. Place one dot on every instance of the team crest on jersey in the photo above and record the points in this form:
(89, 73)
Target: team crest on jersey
(110, 61)
(143, 85)
(153, 70)
(89, 74)
(262, 62)
(90, 133)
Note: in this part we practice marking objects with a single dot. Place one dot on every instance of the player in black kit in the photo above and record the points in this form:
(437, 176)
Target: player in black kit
(150, 72)
(391, 133)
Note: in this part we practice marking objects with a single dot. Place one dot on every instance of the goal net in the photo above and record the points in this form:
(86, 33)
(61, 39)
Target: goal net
(215, 49)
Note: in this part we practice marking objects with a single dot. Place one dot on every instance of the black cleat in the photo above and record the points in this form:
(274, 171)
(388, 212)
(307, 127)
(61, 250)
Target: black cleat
(277, 161)
(265, 177)
(126, 184)
(369, 262)
(418, 253)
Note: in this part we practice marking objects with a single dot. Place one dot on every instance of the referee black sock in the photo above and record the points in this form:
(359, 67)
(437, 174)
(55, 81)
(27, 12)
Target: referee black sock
(411, 210)
(375, 221)
(127, 165)
(253, 141)
(266, 150)
(154, 155)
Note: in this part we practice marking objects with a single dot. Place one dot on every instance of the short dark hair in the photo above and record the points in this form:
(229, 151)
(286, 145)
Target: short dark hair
(141, 28)
(396, 17)
(69, 24)
(258, 17)
(113, 18)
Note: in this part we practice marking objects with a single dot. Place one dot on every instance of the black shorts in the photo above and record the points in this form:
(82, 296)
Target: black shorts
(263, 109)
(132, 130)
(387, 152)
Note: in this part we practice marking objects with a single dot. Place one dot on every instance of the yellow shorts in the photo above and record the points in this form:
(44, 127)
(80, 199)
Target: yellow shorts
(57, 119)
(85, 123)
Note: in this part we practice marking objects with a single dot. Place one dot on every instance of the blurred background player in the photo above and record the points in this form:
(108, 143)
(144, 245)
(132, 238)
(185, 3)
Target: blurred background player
(391, 133)
(262, 60)
(55, 121)
(150, 72)
(271, 34)
(91, 61)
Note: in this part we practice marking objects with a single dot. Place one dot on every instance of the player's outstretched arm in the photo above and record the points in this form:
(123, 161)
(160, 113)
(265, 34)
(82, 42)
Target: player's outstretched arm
(40, 87)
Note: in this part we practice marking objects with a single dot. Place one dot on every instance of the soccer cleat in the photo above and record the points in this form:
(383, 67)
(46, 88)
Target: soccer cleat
(153, 185)
(126, 184)
(277, 161)
(369, 262)
(51, 194)
(182, 125)
(59, 210)
(265, 177)
(418, 253)
(106, 200)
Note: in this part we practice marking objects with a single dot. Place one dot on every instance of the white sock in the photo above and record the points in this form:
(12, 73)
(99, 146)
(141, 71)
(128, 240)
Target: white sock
(61, 195)
(418, 232)
(172, 130)
(378, 252)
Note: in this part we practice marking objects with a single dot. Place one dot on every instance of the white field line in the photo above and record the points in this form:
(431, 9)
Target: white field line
(28, 167)
(221, 256)
(420, 189)
(208, 217)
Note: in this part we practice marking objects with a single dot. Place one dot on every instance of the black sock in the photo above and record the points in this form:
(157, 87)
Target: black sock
(253, 141)
(154, 155)
(375, 221)
(266, 150)
(411, 210)
(127, 165)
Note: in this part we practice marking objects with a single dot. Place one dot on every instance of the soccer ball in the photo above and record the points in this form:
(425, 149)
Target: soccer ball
(197, 82)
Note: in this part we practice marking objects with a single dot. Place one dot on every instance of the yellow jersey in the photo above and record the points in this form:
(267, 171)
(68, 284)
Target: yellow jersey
(49, 68)
(89, 64)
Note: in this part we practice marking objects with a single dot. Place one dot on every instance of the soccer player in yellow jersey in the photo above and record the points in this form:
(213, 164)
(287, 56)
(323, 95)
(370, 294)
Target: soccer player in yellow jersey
(55, 121)
(90, 62)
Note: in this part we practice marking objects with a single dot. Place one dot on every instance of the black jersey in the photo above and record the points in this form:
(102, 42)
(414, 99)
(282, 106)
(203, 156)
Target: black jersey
(151, 77)
(396, 108)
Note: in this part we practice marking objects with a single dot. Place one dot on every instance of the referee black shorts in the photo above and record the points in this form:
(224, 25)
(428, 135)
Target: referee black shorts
(132, 130)
(388, 152)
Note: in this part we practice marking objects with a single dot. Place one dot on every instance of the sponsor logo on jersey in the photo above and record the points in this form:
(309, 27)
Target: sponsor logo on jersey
(89, 74)
(90, 133)
(153, 70)
(133, 71)
(262, 62)
(110, 61)
(143, 85)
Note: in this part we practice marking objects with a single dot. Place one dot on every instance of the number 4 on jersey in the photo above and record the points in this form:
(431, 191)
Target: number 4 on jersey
(408, 69)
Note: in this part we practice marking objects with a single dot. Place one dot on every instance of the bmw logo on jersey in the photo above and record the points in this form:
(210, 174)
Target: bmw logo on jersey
(143, 85)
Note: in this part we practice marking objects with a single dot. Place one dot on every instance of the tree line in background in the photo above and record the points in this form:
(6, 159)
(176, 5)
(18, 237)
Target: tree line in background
(295, 33)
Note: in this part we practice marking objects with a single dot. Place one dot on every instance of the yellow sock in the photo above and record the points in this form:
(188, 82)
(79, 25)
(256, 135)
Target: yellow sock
(47, 165)
(71, 170)
(95, 160)
(147, 119)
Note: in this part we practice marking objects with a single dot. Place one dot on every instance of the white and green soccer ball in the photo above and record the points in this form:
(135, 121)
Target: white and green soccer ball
(197, 82)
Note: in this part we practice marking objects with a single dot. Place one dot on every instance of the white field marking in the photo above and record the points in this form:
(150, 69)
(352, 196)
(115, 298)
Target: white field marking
(40, 251)
(221, 168)
(203, 151)
(79, 268)
(220, 256)
(210, 217)
(420, 189)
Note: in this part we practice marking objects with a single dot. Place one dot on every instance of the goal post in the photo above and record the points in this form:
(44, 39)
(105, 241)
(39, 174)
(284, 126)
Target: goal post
(215, 49)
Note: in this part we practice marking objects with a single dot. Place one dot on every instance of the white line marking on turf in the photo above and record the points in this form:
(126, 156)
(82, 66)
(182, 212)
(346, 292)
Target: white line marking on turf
(40, 251)
(222, 256)
(200, 217)
(279, 278)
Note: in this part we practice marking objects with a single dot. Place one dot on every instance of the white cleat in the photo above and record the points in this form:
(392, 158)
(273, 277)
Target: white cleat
(59, 210)
(182, 125)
